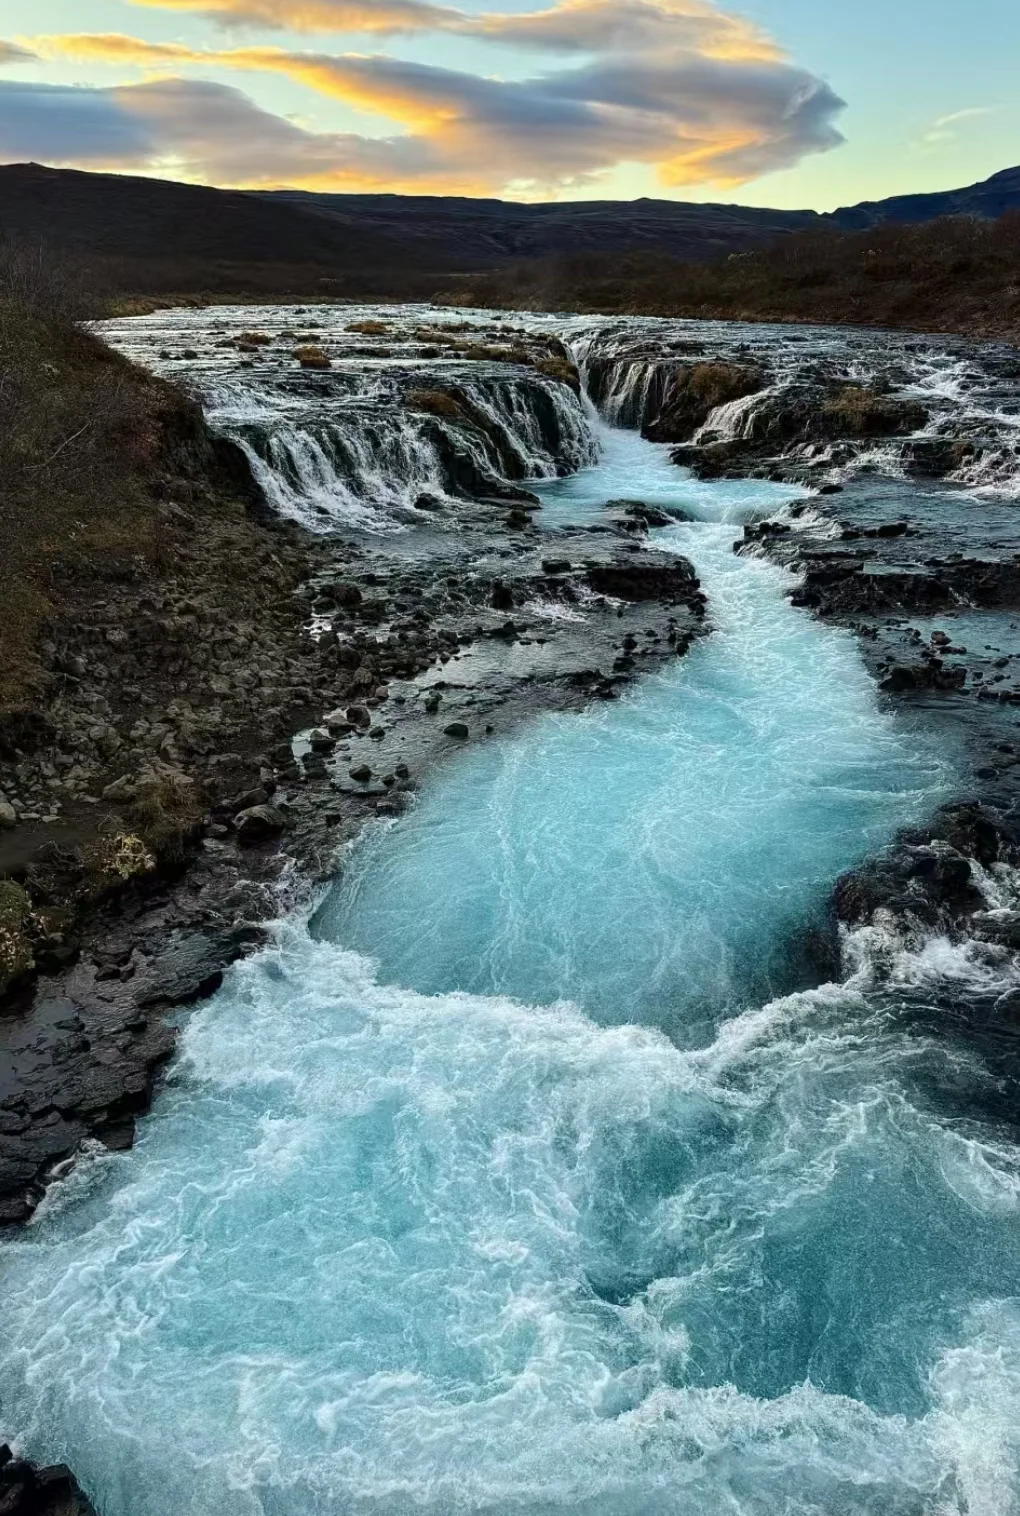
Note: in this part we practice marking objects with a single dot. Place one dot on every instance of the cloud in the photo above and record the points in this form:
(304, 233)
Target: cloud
(194, 129)
(11, 53)
(629, 27)
(945, 128)
(696, 93)
(675, 84)
(372, 16)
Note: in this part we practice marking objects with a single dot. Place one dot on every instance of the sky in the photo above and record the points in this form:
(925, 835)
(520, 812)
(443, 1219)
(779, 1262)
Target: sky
(790, 103)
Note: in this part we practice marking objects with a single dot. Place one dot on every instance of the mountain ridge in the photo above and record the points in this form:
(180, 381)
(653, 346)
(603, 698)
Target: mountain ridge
(154, 237)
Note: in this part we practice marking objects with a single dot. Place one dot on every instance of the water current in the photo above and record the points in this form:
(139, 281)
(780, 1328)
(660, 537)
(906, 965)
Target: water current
(526, 1176)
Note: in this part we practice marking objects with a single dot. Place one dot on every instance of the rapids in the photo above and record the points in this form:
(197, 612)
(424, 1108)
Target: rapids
(530, 1175)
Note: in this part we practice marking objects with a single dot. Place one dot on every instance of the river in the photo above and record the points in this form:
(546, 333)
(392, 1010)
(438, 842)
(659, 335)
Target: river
(531, 1171)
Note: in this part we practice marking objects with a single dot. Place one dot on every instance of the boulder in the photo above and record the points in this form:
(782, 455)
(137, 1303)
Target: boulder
(654, 578)
(260, 823)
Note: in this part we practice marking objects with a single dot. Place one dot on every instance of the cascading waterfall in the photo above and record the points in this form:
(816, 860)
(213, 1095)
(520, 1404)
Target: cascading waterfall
(566, 1198)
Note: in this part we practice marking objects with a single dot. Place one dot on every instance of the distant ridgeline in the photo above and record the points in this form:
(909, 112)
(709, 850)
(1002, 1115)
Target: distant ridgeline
(151, 237)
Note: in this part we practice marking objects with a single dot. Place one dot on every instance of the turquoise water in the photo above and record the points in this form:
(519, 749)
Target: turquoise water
(566, 1203)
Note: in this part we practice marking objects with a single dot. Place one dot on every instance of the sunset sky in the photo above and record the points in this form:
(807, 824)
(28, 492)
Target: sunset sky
(781, 102)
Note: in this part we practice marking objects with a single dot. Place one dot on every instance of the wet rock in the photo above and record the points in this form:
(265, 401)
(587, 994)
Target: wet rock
(361, 774)
(935, 457)
(29, 1491)
(1002, 927)
(932, 883)
(695, 392)
(671, 580)
(457, 729)
(260, 823)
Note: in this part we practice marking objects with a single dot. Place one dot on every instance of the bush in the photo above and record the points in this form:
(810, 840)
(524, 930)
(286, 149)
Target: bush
(17, 959)
(312, 357)
(166, 813)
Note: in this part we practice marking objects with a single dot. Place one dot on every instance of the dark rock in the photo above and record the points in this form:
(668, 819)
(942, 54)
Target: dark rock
(361, 774)
(670, 580)
(934, 457)
(457, 729)
(260, 823)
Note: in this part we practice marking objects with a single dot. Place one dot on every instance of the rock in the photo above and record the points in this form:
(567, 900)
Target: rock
(259, 823)
(999, 926)
(121, 789)
(660, 578)
(694, 393)
(457, 729)
(8, 815)
(556, 565)
(362, 774)
(502, 597)
(935, 457)
(321, 741)
(359, 715)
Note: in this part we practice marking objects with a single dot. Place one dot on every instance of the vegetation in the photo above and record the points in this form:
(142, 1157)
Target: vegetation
(435, 403)
(312, 357)
(957, 274)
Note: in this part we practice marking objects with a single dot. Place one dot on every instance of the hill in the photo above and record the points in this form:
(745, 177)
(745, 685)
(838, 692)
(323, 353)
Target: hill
(465, 234)
(153, 236)
(460, 233)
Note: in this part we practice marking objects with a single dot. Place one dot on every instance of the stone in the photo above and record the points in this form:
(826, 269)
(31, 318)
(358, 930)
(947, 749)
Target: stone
(361, 774)
(8, 815)
(259, 823)
(457, 729)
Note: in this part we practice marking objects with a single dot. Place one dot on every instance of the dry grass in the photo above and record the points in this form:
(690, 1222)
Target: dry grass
(312, 357)
(166, 813)
(435, 403)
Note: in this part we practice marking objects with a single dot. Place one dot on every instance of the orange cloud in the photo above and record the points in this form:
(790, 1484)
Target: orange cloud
(372, 16)
(698, 95)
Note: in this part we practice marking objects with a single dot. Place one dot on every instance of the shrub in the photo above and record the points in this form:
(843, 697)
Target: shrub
(312, 357)
(17, 959)
(166, 813)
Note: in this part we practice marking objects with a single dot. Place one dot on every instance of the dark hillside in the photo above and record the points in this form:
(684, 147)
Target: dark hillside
(954, 275)
(988, 200)
(150, 236)
(459, 233)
